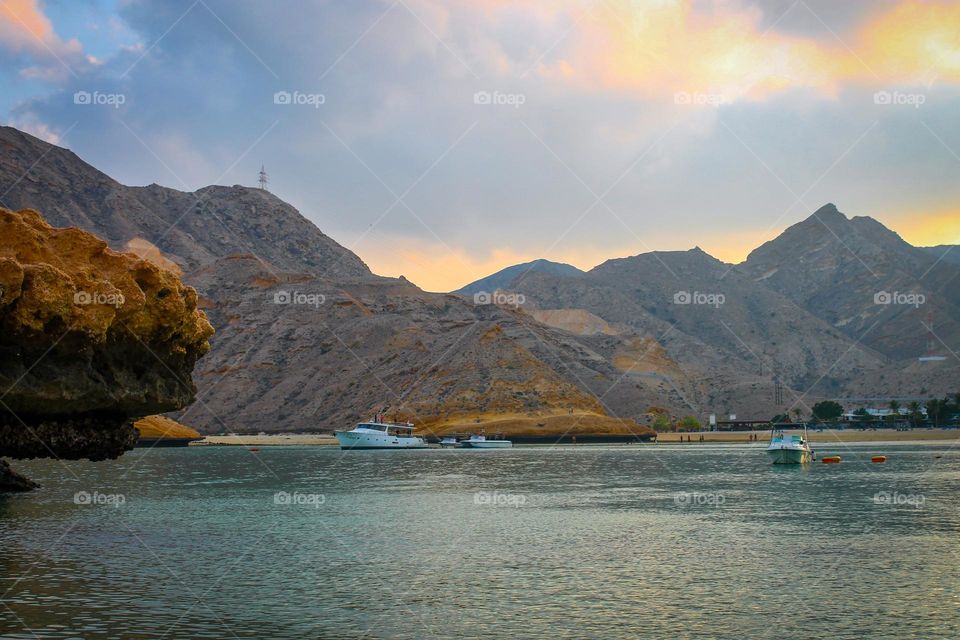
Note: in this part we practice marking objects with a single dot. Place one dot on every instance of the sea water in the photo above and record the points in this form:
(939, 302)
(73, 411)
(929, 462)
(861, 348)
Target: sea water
(620, 541)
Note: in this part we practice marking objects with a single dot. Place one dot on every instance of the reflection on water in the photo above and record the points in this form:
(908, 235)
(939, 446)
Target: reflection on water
(602, 542)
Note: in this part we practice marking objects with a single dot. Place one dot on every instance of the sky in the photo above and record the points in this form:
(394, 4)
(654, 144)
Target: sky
(444, 140)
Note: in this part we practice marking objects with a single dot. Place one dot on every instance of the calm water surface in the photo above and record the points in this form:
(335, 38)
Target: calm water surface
(656, 541)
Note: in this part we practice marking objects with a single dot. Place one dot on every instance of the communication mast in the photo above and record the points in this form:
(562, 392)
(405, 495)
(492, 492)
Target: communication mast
(264, 178)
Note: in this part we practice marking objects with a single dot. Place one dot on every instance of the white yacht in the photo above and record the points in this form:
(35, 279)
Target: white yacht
(380, 435)
(481, 442)
(448, 441)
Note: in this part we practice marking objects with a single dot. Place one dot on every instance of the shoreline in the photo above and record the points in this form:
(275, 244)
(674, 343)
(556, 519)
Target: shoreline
(825, 436)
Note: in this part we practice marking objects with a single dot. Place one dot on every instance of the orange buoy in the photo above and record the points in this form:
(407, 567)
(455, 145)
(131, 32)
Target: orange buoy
(831, 460)
(878, 459)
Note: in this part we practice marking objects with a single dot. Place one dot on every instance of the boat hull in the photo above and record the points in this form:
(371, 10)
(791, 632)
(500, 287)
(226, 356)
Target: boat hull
(489, 444)
(789, 456)
(354, 440)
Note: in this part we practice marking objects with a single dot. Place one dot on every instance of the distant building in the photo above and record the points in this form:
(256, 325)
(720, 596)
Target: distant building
(852, 416)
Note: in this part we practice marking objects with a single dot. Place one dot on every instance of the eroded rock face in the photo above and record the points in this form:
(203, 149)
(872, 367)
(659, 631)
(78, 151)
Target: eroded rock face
(90, 339)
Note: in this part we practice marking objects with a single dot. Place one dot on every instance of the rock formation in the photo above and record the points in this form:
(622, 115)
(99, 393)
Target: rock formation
(90, 339)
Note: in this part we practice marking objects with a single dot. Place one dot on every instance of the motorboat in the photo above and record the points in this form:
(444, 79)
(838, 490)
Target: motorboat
(482, 442)
(789, 448)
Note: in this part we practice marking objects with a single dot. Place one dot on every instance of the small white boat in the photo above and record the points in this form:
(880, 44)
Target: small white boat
(448, 441)
(380, 435)
(481, 442)
(789, 449)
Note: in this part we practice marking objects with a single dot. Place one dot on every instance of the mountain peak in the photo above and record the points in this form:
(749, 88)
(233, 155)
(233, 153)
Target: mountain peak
(504, 278)
(827, 212)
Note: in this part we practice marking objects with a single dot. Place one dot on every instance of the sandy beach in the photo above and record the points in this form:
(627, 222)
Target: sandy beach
(298, 439)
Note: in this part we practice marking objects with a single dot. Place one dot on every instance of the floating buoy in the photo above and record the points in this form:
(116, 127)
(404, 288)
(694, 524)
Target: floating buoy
(878, 459)
(831, 460)
(254, 449)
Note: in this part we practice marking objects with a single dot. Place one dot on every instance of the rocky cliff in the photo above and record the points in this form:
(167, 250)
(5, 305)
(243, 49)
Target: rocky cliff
(91, 339)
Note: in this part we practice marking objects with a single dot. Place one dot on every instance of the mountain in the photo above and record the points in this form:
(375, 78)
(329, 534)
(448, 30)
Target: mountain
(192, 229)
(307, 337)
(946, 252)
(863, 279)
(513, 275)
(731, 332)
(710, 319)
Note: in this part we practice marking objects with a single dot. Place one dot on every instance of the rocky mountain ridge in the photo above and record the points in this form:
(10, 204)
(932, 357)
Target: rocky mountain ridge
(307, 338)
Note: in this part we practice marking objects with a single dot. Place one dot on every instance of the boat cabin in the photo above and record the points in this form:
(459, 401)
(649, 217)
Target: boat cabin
(388, 428)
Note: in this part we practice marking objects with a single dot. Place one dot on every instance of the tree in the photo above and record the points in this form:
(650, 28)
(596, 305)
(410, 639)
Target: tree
(935, 410)
(780, 418)
(827, 410)
(661, 422)
(689, 423)
(894, 411)
(915, 414)
(798, 414)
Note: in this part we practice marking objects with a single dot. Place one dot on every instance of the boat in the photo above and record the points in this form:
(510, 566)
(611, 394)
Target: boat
(789, 449)
(380, 435)
(481, 442)
(448, 441)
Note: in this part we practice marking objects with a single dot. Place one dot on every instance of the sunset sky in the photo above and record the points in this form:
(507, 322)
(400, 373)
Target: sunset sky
(444, 140)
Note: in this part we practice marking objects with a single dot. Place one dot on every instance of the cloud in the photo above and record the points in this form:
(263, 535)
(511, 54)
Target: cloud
(656, 48)
(491, 184)
(24, 29)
